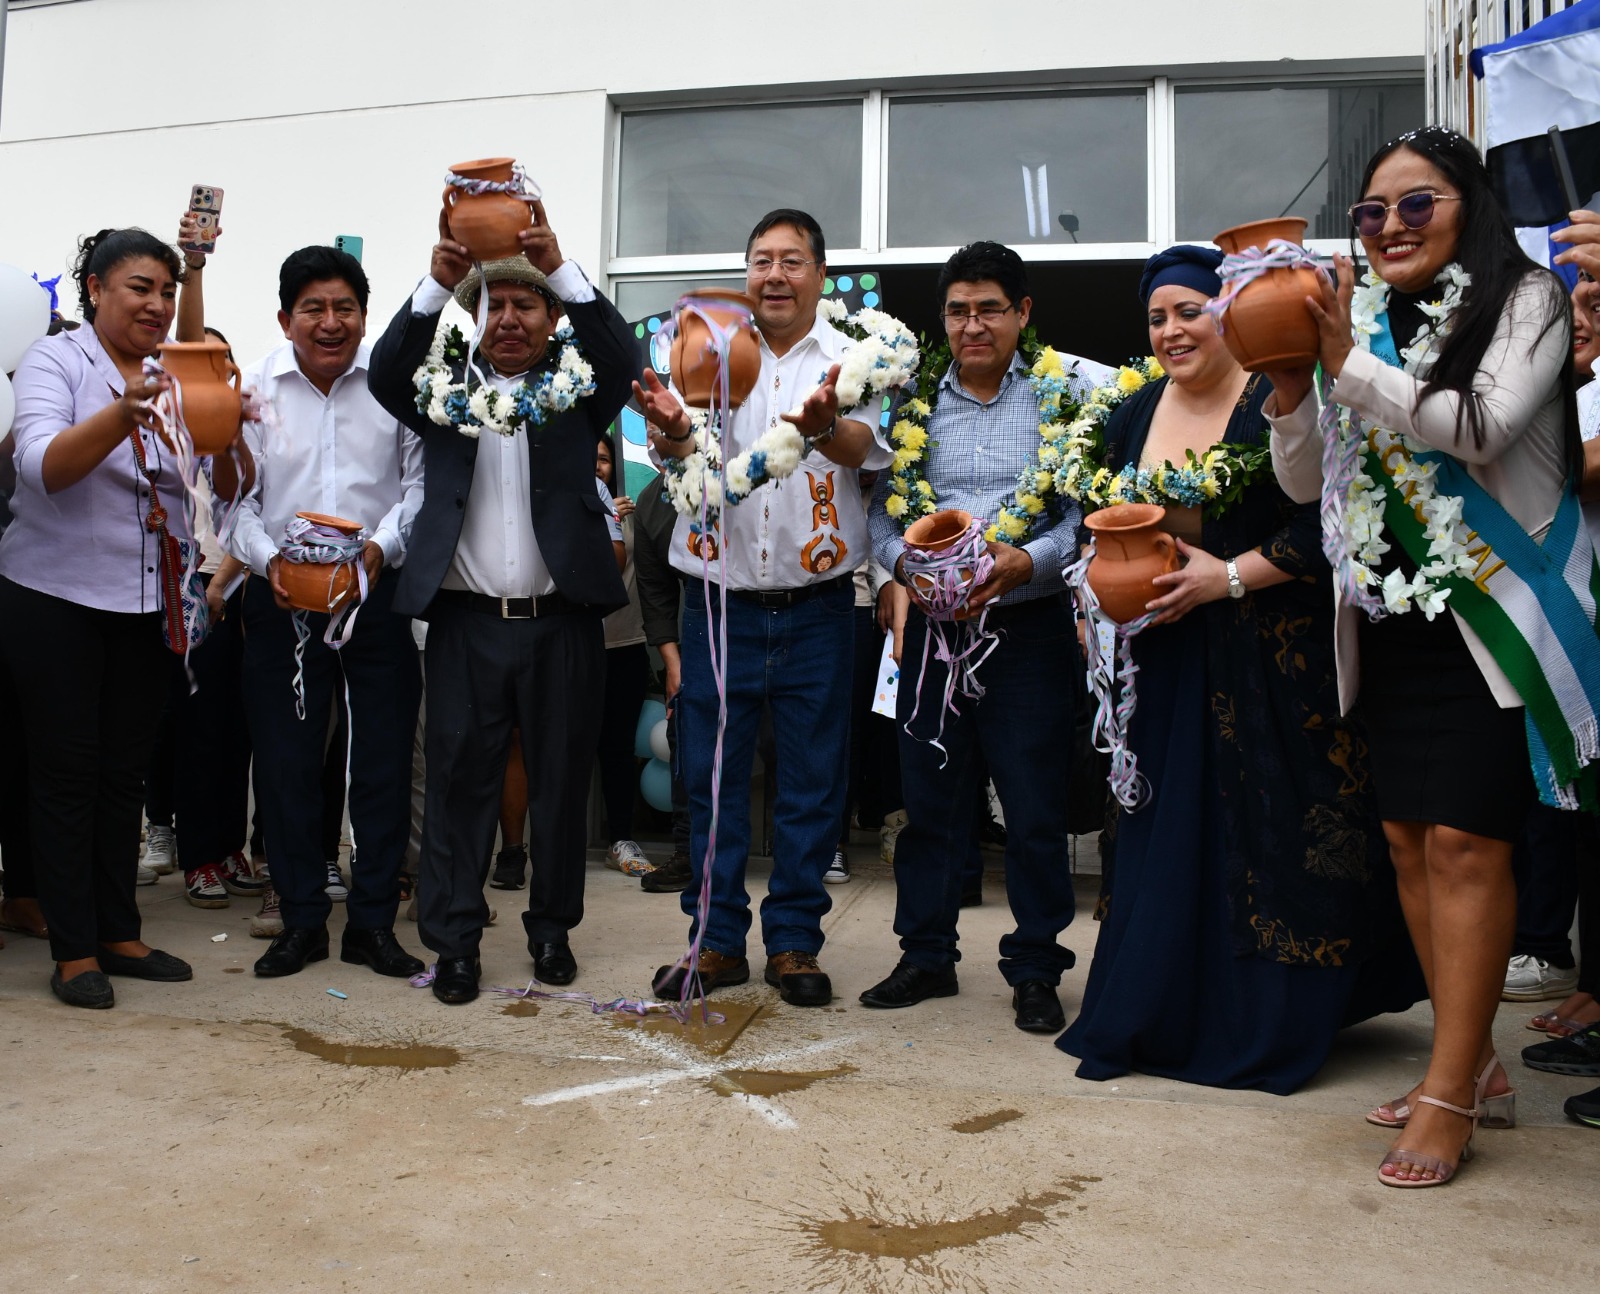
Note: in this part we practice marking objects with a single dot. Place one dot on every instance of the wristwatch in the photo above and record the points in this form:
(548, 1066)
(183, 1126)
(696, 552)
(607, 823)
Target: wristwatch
(1236, 588)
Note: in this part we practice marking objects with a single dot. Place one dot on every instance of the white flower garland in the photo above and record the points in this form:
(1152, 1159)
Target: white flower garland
(1366, 499)
(470, 409)
(883, 357)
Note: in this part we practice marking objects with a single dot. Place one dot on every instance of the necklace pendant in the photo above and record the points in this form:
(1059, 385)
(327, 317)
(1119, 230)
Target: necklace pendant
(155, 519)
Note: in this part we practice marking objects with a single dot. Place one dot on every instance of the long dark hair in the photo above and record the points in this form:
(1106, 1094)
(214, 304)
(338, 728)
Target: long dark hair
(99, 254)
(1487, 248)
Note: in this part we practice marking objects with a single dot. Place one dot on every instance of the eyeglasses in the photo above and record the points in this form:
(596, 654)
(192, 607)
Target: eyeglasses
(792, 266)
(955, 318)
(1415, 210)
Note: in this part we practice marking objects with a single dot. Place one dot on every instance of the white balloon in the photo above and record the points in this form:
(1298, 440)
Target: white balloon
(24, 315)
(8, 406)
(658, 741)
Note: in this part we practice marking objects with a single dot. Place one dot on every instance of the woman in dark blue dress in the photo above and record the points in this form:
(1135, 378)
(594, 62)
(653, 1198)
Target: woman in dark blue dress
(1248, 891)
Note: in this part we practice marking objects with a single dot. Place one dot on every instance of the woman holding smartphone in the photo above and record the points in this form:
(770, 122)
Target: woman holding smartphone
(1452, 380)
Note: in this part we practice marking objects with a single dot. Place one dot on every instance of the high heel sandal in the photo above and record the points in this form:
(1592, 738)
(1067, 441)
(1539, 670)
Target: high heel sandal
(1497, 1111)
(1442, 1171)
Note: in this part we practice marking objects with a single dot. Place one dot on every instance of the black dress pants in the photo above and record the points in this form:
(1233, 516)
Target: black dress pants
(16, 852)
(375, 677)
(90, 685)
(487, 676)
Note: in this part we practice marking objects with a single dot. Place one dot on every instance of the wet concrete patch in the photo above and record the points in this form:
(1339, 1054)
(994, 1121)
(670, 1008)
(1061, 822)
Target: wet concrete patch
(986, 1122)
(770, 1082)
(368, 1055)
(233, 970)
(710, 1037)
(522, 1008)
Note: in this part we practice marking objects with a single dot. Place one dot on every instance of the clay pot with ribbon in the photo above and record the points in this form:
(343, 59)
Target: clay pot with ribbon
(1267, 277)
(1130, 550)
(323, 586)
(208, 382)
(487, 203)
(710, 324)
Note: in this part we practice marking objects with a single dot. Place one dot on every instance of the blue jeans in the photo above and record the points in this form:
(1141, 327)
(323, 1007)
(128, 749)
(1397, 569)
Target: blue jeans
(1022, 728)
(797, 660)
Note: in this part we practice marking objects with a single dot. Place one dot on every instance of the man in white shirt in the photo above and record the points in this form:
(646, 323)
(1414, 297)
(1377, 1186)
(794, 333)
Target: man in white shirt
(512, 565)
(786, 555)
(329, 449)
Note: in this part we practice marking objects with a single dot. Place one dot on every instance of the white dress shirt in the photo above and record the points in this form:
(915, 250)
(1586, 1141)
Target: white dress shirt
(497, 553)
(338, 453)
(811, 526)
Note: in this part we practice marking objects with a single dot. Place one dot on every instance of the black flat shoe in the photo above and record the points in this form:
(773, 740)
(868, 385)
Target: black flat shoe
(87, 988)
(907, 985)
(380, 950)
(1037, 1006)
(455, 980)
(156, 965)
(292, 950)
(509, 866)
(553, 962)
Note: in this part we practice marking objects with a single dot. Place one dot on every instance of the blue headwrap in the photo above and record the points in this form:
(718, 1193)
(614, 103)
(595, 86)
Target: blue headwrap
(1185, 264)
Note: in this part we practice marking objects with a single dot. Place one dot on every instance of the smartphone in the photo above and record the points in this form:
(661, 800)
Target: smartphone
(348, 243)
(205, 205)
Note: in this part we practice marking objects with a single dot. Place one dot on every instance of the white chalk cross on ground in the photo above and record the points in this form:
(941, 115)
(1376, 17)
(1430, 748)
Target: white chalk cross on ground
(680, 1066)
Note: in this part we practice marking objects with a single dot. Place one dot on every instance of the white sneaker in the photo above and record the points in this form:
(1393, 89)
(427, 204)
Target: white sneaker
(335, 888)
(893, 825)
(626, 857)
(145, 875)
(1532, 979)
(160, 851)
(838, 871)
(267, 923)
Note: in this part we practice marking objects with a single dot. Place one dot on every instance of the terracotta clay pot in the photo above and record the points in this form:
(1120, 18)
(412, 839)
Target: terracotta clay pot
(313, 586)
(209, 382)
(486, 223)
(1267, 325)
(931, 534)
(1130, 550)
(696, 366)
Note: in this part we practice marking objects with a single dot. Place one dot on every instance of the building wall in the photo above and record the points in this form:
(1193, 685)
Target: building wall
(321, 117)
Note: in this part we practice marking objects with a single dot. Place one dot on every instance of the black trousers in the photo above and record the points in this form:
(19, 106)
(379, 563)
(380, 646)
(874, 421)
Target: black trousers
(487, 676)
(375, 677)
(1545, 862)
(16, 851)
(90, 685)
(199, 777)
(627, 677)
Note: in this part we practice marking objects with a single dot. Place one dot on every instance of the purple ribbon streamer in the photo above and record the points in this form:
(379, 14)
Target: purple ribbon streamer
(1240, 269)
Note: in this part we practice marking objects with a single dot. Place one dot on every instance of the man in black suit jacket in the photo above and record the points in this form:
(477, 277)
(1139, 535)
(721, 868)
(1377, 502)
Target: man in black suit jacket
(512, 566)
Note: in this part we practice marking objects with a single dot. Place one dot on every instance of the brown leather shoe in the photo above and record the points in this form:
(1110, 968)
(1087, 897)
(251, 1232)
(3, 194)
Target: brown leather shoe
(798, 979)
(717, 970)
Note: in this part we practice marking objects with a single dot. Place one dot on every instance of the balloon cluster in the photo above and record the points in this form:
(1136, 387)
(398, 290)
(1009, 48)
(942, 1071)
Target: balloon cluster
(650, 742)
(24, 318)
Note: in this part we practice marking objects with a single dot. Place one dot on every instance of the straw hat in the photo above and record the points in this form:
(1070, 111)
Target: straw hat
(508, 269)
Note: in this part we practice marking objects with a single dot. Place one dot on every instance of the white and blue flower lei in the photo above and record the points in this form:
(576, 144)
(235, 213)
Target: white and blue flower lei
(528, 405)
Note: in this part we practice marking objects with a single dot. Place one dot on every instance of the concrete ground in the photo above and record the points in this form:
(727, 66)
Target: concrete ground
(233, 1133)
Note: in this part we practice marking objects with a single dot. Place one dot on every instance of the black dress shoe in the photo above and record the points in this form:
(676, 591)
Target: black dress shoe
(1037, 1006)
(907, 985)
(380, 950)
(156, 965)
(671, 877)
(87, 988)
(553, 962)
(455, 980)
(291, 950)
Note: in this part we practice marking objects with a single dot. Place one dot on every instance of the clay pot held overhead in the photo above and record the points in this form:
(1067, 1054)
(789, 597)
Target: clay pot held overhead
(1267, 325)
(1130, 550)
(696, 363)
(208, 383)
(486, 223)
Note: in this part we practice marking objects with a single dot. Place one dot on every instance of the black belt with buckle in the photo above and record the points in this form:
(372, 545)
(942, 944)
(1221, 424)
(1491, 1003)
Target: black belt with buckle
(774, 599)
(550, 604)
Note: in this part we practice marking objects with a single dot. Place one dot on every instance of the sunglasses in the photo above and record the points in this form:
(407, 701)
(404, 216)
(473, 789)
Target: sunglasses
(1415, 210)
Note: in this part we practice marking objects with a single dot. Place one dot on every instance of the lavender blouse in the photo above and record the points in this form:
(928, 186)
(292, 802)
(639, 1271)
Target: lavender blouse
(87, 543)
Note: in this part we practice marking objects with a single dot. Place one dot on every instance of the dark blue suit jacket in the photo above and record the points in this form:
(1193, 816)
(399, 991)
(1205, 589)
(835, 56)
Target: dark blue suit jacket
(569, 521)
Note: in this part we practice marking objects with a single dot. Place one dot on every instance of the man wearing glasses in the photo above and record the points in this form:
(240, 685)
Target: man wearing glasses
(786, 555)
(985, 427)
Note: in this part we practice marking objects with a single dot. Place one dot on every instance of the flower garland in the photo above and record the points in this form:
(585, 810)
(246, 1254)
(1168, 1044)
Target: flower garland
(883, 358)
(1365, 500)
(1212, 480)
(911, 494)
(528, 405)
